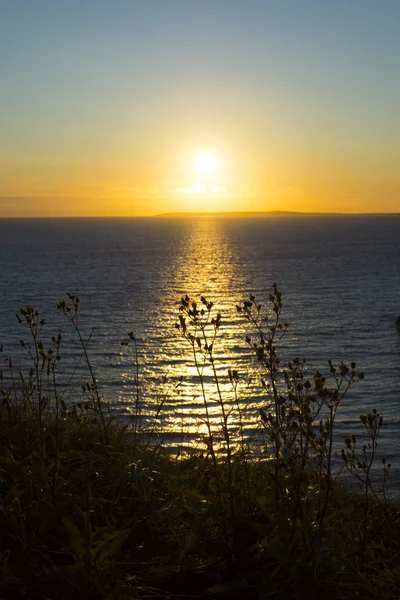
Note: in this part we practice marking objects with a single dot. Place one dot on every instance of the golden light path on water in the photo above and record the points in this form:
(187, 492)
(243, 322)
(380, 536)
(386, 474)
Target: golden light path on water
(203, 264)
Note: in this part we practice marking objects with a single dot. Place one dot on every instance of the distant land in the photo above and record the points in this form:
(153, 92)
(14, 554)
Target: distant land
(269, 214)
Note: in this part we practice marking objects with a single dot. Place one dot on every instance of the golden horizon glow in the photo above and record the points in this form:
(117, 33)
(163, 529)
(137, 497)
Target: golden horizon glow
(175, 177)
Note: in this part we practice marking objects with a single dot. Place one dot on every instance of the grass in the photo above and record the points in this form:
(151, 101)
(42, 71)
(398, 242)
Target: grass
(91, 508)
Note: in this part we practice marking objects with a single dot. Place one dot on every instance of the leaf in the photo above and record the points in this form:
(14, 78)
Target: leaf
(76, 538)
(216, 589)
(107, 548)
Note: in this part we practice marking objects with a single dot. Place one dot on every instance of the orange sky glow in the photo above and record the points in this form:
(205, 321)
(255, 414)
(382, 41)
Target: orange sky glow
(296, 109)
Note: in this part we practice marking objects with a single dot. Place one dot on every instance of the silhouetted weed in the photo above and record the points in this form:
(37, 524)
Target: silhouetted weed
(93, 508)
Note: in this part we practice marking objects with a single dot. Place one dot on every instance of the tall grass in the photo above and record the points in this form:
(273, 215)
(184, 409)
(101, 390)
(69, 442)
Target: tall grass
(94, 508)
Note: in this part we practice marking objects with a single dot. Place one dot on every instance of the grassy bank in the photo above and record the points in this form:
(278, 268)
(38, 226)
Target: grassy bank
(93, 509)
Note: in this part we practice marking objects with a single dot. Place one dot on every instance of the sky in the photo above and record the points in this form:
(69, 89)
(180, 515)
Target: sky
(141, 107)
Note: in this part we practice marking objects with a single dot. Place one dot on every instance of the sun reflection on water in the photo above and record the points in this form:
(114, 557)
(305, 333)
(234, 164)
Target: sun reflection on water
(203, 265)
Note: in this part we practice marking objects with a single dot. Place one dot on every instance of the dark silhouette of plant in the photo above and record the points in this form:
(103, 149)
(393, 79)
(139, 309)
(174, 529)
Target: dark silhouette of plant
(71, 312)
(95, 508)
(199, 326)
(360, 464)
(299, 419)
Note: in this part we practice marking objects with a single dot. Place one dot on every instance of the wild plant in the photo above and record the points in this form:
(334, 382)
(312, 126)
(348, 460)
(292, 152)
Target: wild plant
(138, 403)
(199, 325)
(30, 319)
(73, 483)
(299, 421)
(71, 312)
(145, 429)
(87, 508)
(360, 463)
(199, 328)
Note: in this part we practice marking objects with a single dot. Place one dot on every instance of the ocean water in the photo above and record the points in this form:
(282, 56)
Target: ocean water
(340, 276)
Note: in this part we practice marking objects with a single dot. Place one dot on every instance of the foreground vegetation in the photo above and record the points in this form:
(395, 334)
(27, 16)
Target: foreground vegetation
(93, 508)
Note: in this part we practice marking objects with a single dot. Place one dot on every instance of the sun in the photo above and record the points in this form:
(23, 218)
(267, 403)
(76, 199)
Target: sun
(207, 179)
(206, 162)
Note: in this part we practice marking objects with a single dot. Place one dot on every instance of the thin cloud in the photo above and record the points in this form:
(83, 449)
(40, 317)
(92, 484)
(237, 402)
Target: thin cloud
(199, 188)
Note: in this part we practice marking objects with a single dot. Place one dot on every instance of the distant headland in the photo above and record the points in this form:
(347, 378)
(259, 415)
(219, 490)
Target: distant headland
(266, 214)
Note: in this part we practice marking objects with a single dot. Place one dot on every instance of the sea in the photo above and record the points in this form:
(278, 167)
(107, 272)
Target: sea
(340, 279)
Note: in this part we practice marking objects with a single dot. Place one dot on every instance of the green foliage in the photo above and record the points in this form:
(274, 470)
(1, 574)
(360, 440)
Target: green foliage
(94, 508)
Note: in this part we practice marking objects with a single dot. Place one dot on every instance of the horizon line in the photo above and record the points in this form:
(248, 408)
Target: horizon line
(181, 214)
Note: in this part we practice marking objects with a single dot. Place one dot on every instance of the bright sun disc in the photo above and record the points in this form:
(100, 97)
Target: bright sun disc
(206, 162)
